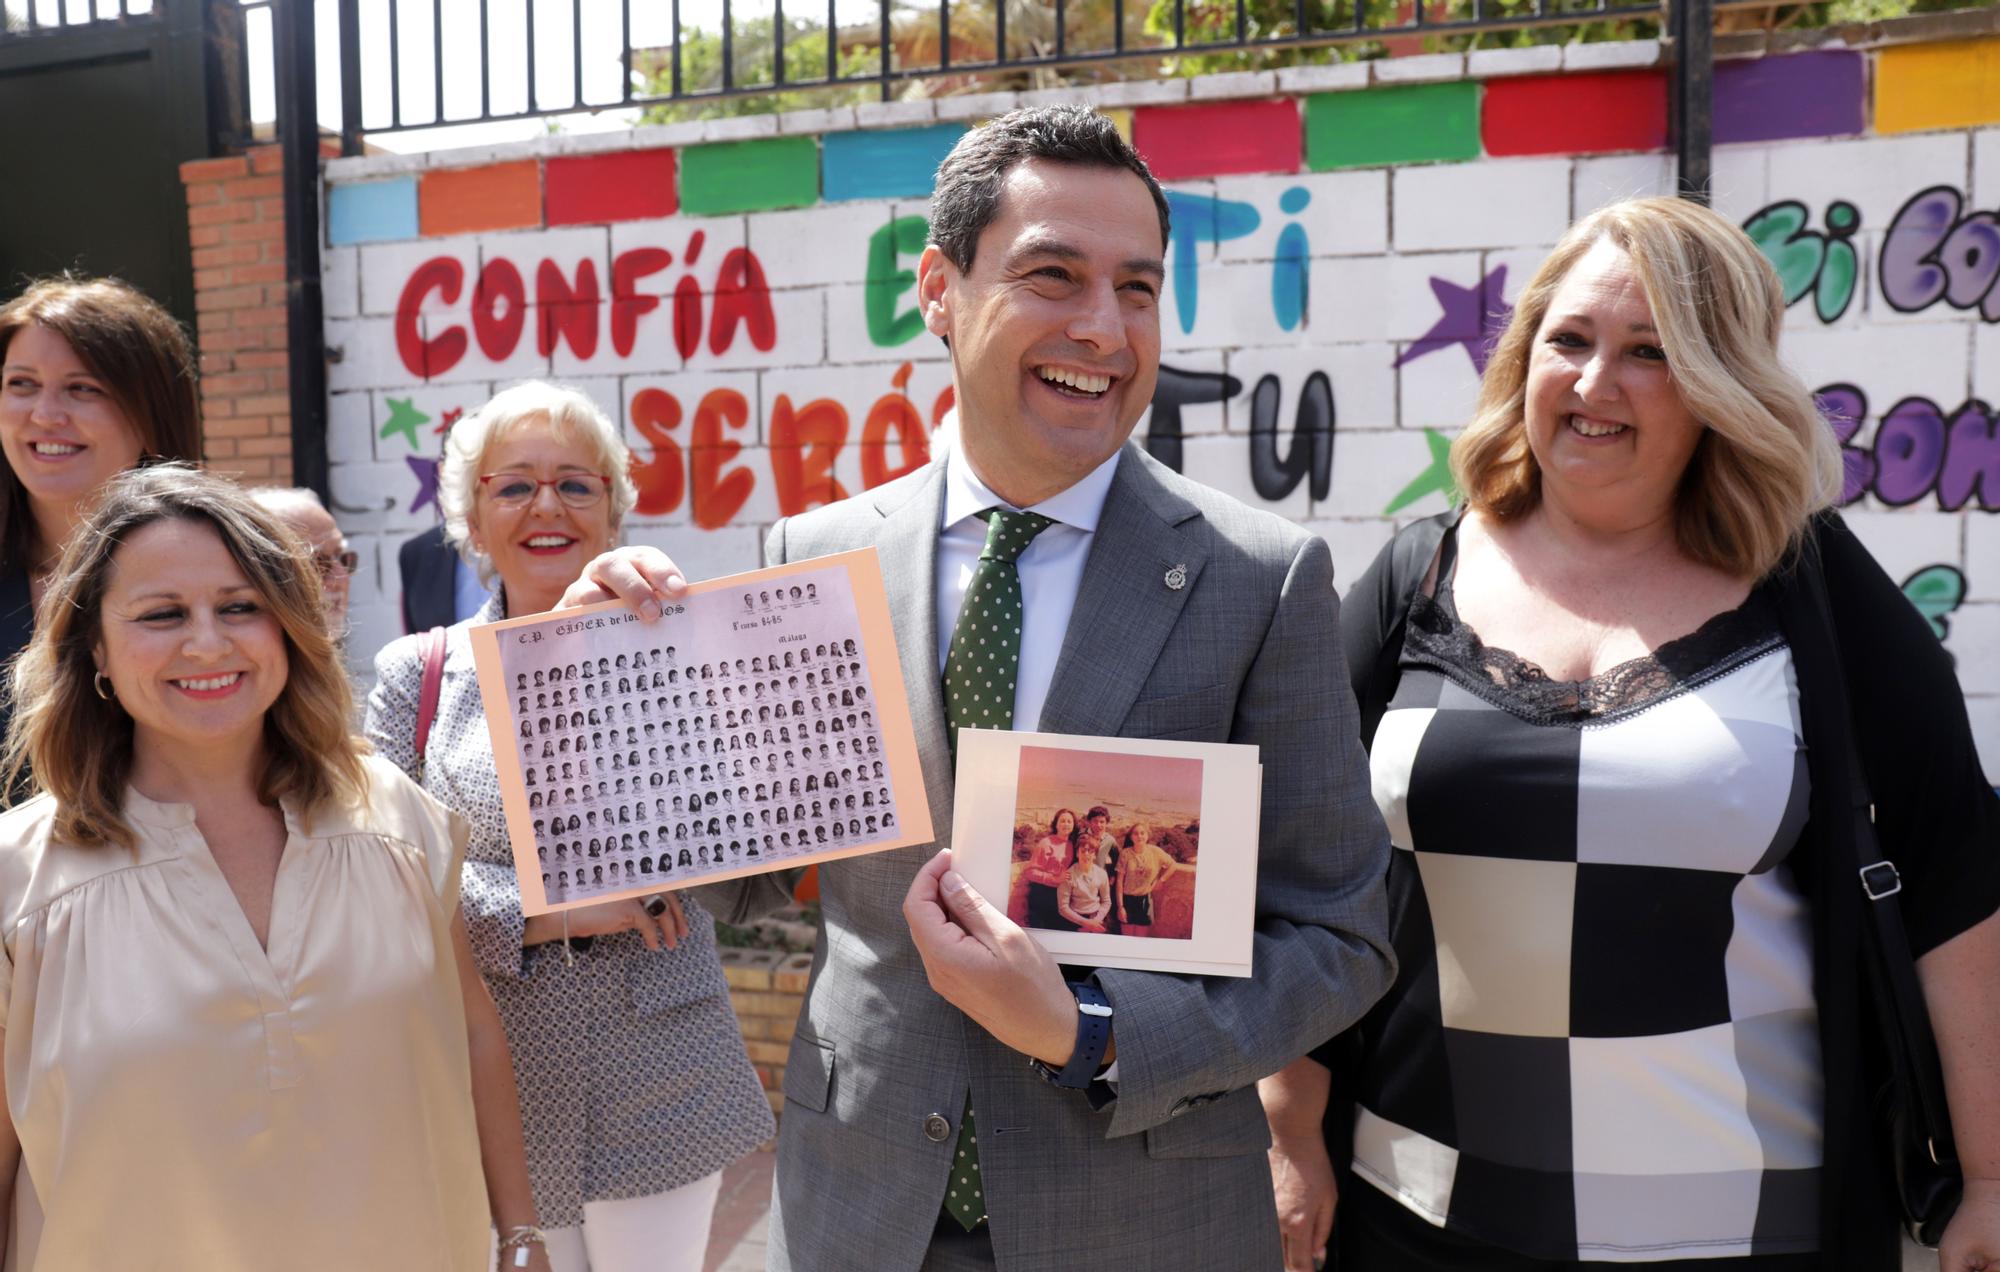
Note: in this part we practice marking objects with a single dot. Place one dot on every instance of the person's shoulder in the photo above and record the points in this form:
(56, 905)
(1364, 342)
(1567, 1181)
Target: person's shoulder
(391, 806)
(1246, 531)
(854, 521)
(36, 867)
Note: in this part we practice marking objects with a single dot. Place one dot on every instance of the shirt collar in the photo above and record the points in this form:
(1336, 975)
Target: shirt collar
(1079, 506)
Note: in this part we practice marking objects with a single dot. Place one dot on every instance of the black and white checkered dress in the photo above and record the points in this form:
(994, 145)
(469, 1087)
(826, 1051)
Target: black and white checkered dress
(1603, 1042)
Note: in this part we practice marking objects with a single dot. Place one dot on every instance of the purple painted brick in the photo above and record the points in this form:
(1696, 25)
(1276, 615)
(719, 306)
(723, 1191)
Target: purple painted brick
(1798, 95)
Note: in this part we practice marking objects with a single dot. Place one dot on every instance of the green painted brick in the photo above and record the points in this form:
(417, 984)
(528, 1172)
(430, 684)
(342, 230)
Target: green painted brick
(750, 176)
(1405, 123)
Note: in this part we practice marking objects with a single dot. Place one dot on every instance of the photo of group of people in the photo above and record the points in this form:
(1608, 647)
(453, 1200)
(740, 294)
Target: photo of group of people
(1106, 843)
(739, 732)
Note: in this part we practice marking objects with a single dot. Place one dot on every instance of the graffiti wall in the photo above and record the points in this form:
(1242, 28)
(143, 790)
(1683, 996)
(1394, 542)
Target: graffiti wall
(1346, 242)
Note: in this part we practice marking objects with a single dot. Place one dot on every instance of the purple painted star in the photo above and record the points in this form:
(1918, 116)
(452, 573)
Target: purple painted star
(1473, 317)
(426, 471)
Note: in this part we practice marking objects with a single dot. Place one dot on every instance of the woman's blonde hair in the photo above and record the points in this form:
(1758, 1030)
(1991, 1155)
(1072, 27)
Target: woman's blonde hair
(1766, 461)
(79, 744)
(571, 414)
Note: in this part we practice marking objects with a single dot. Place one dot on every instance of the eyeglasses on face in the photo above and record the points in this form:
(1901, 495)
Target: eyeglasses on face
(513, 490)
(344, 561)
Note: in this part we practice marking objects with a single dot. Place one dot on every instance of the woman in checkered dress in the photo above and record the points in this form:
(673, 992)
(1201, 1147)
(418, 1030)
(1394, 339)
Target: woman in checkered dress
(1627, 1025)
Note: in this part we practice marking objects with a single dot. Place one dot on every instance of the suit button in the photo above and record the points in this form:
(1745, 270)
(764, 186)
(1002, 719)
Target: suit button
(936, 1129)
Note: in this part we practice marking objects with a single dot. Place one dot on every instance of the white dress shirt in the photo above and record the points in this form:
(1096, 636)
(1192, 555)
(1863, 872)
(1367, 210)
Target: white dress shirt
(1051, 568)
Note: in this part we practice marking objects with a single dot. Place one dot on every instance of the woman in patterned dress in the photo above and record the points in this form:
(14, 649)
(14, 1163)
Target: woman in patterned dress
(636, 1090)
(1628, 1024)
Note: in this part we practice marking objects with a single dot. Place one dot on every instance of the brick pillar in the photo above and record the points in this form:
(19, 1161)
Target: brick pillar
(236, 222)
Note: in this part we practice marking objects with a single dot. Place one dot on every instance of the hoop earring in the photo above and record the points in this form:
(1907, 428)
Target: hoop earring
(98, 682)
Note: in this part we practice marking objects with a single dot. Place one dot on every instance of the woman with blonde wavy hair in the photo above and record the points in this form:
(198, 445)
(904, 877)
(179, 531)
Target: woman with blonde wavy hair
(242, 1025)
(1608, 727)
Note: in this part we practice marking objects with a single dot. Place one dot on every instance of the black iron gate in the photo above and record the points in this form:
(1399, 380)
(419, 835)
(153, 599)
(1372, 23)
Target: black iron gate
(100, 114)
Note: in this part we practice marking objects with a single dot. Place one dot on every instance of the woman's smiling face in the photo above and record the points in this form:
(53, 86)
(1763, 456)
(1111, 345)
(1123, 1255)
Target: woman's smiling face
(61, 431)
(540, 547)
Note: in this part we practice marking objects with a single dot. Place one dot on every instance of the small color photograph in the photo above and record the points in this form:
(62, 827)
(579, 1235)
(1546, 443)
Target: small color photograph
(1105, 843)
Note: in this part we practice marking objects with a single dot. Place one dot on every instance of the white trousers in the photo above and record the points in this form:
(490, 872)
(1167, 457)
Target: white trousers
(666, 1232)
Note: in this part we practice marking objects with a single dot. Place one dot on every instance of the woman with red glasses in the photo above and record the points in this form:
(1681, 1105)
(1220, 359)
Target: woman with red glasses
(636, 1090)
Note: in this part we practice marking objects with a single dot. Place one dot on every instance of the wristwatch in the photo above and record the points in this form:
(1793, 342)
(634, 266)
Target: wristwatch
(1093, 1035)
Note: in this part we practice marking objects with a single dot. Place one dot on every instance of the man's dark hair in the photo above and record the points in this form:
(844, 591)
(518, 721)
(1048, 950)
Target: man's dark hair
(967, 194)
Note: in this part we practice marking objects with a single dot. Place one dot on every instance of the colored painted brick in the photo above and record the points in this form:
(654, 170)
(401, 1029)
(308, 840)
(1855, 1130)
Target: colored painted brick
(1803, 95)
(1181, 143)
(1949, 85)
(501, 196)
(625, 185)
(1413, 123)
(750, 176)
(1575, 114)
(883, 165)
(372, 212)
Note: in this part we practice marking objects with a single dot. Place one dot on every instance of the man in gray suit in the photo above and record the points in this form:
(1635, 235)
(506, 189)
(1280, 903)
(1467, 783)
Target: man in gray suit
(1146, 606)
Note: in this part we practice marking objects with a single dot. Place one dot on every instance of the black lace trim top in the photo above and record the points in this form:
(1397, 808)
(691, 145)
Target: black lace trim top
(1437, 638)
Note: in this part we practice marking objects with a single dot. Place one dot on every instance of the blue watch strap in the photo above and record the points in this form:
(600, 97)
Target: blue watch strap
(1093, 1035)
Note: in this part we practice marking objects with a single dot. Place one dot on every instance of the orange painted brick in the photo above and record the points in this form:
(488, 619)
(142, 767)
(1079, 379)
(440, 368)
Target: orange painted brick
(270, 209)
(235, 385)
(258, 232)
(270, 316)
(214, 448)
(264, 403)
(265, 361)
(205, 236)
(236, 428)
(254, 187)
(214, 169)
(226, 254)
(217, 363)
(501, 196)
(205, 193)
(264, 446)
(221, 214)
(263, 273)
(209, 279)
(267, 159)
(228, 298)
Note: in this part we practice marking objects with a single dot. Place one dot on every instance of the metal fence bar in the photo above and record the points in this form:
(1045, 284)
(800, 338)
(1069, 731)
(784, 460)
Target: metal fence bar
(298, 138)
(883, 70)
(1693, 87)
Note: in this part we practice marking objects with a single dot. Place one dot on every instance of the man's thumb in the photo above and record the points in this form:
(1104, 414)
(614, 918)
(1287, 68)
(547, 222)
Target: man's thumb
(965, 903)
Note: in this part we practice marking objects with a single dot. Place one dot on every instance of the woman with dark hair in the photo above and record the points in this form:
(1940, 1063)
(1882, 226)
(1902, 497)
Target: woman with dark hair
(94, 379)
(1048, 866)
(195, 908)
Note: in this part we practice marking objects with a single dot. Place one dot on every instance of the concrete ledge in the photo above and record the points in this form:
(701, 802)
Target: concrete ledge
(1426, 69)
(1540, 59)
(1611, 55)
(1315, 79)
(1207, 88)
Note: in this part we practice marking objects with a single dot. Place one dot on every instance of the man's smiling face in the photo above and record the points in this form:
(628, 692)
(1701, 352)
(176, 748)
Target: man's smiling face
(1055, 327)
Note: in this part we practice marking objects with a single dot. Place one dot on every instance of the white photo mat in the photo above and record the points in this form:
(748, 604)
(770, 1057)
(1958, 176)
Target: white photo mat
(1225, 897)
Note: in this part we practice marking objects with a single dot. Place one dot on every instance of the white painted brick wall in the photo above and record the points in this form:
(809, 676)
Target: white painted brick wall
(1491, 203)
(1377, 238)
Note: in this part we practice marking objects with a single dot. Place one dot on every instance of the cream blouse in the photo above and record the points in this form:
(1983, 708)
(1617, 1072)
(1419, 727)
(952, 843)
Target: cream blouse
(186, 1100)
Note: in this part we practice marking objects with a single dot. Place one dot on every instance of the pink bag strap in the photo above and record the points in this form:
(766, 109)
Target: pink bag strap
(431, 645)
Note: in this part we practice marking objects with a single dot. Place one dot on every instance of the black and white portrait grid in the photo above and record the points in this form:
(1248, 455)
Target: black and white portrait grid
(742, 731)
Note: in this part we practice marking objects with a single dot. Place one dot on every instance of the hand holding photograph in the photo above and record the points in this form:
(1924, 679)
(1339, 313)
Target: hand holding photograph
(759, 724)
(1096, 844)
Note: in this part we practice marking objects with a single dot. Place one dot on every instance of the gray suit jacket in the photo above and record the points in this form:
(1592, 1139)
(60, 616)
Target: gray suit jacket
(1172, 1173)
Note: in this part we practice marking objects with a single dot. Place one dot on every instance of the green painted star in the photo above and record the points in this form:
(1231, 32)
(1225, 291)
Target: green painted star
(404, 418)
(1436, 478)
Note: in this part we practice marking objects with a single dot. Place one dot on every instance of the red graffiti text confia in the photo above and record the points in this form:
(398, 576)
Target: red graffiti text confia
(569, 309)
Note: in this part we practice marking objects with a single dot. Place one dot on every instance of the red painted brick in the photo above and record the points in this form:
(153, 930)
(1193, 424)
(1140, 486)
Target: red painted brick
(267, 159)
(205, 236)
(214, 169)
(1184, 142)
(203, 192)
(221, 214)
(1575, 114)
(501, 196)
(631, 185)
(254, 187)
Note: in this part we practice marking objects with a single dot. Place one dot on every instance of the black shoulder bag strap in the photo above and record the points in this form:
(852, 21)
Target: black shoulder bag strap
(1915, 1116)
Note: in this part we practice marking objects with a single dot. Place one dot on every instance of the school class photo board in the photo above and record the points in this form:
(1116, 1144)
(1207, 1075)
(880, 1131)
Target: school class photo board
(759, 724)
(1114, 852)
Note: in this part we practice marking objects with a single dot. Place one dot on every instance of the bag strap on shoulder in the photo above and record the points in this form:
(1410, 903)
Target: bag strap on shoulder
(431, 647)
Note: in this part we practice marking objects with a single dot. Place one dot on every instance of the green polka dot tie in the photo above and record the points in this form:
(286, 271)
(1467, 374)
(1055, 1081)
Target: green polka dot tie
(985, 656)
(979, 676)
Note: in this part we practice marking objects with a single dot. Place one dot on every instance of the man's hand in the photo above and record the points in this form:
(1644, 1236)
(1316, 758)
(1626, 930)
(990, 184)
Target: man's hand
(988, 967)
(642, 577)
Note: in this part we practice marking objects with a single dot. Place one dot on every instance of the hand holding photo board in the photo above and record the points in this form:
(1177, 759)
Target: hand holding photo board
(759, 724)
(1114, 852)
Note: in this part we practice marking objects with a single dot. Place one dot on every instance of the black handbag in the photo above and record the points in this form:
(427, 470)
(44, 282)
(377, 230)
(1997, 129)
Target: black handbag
(1911, 1113)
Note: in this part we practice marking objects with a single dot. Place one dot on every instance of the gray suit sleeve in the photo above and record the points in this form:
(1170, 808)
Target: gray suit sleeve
(1322, 954)
(738, 901)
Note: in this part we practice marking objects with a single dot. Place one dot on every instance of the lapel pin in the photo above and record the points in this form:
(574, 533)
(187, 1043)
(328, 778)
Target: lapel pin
(1177, 578)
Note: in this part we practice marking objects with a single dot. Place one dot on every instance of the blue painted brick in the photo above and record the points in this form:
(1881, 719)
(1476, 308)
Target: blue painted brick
(372, 212)
(893, 163)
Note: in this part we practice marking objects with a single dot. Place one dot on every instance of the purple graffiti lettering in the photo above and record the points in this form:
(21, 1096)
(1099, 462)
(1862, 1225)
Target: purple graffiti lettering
(1909, 451)
(1972, 459)
(1931, 253)
(1844, 407)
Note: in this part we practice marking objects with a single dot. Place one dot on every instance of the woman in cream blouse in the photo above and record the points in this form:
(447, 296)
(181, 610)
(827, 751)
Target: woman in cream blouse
(242, 1027)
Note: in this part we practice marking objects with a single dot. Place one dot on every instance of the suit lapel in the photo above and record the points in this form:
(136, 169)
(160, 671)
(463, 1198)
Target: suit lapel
(908, 548)
(1125, 605)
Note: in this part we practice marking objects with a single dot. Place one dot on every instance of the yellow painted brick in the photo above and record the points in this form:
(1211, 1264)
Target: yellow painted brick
(751, 1003)
(1950, 84)
(792, 974)
(748, 977)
